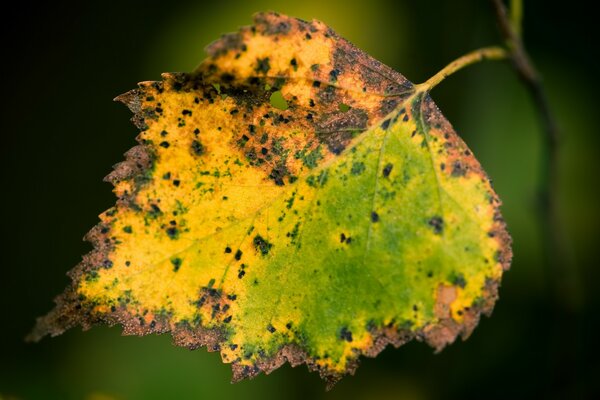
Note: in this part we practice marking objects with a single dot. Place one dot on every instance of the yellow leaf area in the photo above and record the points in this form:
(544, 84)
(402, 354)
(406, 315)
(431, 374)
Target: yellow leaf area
(314, 231)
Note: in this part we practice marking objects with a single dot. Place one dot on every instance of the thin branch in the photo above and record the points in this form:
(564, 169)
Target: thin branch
(552, 229)
(486, 53)
(516, 16)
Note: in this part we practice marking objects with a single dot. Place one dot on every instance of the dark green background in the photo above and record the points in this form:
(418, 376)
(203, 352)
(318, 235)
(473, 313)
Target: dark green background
(62, 65)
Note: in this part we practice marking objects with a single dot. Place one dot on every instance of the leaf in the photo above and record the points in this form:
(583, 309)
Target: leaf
(292, 199)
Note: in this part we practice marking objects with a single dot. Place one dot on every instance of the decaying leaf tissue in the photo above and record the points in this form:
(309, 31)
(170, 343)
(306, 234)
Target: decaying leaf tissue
(295, 200)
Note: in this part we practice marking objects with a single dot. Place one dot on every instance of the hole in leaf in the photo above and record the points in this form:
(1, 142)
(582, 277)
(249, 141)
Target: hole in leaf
(278, 101)
(343, 107)
(217, 87)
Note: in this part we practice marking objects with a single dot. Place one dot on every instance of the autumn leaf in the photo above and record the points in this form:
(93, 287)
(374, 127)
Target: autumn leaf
(295, 200)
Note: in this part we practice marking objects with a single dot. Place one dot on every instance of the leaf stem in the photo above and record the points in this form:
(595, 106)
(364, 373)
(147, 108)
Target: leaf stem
(486, 53)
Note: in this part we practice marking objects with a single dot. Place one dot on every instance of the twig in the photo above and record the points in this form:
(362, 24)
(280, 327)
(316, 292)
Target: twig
(486, 53)
(552, 229)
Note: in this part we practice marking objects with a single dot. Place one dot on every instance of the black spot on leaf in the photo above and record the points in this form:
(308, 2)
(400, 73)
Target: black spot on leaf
(437, 223)
(197, 148)
(458, 169)
(262, 65)
(374, 216)
(345, 334)
(176, 263)
(387, 169)
(173, 233)
(262, 245)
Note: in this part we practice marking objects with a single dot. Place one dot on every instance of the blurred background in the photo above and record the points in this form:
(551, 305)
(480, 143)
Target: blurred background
(63, 64)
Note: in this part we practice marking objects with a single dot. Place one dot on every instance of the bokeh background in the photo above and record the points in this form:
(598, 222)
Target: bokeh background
(63, 63)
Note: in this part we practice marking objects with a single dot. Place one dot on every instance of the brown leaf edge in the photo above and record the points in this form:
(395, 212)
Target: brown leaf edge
(71, 310)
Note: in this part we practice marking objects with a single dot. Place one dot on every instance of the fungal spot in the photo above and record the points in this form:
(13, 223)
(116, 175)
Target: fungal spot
(92, 276)
(164, 133)
(262, 65)
(333, 75)
(173, 233)
(278, 101)
(238, 255)
(458, 169)
(262, 245)
(294, 64)
(164, 144)
(387, 169)
(437, 223)
(227, 249)
(176, 261)
(197, 148)
(176, 182)
(271, 328)
(127, 229)
(186, 112)
(374, 216)
(243, 140)
(288, 325)
(345, 239)
(459, 280)
(345, 334)
(227, 320)
(357, 168)
(311, 159)
(385, 124)
(167, 176)
(405, 118)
